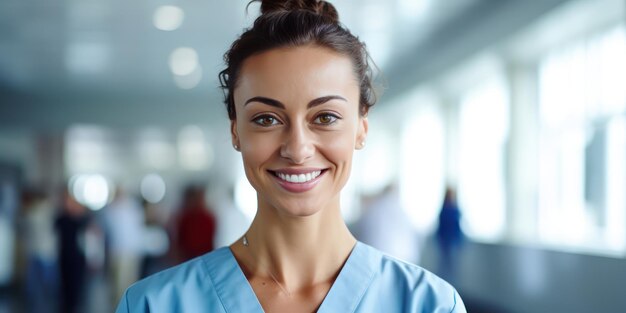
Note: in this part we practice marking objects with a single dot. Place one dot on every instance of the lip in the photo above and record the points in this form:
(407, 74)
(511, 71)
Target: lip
(298, 171)
(297, 187)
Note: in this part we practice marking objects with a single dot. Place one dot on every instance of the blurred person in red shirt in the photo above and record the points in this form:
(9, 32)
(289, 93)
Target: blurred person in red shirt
(196, 225)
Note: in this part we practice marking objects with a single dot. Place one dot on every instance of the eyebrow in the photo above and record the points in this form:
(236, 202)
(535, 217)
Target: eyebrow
(278, 104)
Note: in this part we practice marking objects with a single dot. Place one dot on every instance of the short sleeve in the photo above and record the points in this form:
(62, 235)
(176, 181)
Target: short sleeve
(122, 307)
(459, 306)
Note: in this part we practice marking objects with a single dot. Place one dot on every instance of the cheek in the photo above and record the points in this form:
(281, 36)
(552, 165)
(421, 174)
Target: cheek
(254, 155)
(256, 149)
(338, 148)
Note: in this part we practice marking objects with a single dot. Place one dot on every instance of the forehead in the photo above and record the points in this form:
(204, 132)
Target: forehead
(296, 72)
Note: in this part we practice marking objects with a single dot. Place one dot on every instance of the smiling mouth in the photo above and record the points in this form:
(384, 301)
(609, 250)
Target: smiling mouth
(298, 178)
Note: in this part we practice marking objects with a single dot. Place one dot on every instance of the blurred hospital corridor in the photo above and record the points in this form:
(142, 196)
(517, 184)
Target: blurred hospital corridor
(495, 157)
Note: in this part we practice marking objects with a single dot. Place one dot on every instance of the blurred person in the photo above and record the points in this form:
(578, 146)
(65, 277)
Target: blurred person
(71, 226)
(39, 237)
(297, 89)
(124, 223)
(384, 225)
(7, 250)
(9, 247)
(195, 229)
(230, 220)
(449, 234)
(157, 241)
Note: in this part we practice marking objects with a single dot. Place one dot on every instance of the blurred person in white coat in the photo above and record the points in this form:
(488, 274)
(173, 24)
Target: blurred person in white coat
(37, 231)
(125, 224)
(385, 225)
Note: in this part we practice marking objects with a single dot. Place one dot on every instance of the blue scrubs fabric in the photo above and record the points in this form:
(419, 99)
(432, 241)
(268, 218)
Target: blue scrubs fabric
(369, 281)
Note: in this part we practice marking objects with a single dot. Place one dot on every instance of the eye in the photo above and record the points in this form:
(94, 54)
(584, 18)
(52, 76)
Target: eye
(266, 120)
(325, 119)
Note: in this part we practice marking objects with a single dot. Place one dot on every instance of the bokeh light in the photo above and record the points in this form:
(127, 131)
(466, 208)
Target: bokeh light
(168, 17)
(153, 188)
(183, 61)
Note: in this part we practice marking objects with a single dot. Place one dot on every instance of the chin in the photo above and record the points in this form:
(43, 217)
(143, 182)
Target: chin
(300, 208)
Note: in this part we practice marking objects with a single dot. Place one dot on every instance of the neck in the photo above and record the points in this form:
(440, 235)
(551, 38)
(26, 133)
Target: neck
(298, 251)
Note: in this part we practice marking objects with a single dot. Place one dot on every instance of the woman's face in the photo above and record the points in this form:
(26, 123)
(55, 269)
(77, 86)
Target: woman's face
(297, 126)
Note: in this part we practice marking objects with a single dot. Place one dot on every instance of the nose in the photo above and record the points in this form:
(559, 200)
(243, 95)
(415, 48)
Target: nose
(298, 145)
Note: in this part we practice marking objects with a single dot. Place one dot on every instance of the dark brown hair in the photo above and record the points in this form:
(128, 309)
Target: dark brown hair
(296, 23)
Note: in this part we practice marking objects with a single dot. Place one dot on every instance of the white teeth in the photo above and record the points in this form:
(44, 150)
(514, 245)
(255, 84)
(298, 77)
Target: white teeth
(302, 178)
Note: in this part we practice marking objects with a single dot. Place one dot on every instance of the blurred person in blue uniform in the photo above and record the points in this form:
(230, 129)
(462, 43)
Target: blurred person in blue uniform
(71, 226)
(298, 89)
(449, 235)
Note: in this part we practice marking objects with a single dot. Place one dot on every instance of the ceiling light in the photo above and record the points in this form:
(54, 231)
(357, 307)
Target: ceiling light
(153, 188)
(90, 190)
(168, 17)
(183, 61)
(189, 81)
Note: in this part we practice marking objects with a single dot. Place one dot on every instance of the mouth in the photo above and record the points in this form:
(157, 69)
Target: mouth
(299, 180)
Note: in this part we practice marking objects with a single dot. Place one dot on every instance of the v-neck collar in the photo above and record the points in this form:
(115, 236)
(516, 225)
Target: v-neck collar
(237, 295)
(354, 278)
(230, 283)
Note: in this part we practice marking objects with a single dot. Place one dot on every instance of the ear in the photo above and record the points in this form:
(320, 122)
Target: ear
(361, 133)
(234, 135)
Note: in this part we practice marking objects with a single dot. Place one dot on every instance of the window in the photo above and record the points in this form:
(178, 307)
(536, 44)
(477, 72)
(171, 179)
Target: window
(422, 170)
(483, 134)
(582, 176)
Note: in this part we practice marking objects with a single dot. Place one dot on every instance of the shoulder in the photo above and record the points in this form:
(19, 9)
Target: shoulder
(184, 285)
(409, 275)
(411, 287)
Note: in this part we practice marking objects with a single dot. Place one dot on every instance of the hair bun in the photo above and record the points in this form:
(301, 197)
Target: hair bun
(319, 7)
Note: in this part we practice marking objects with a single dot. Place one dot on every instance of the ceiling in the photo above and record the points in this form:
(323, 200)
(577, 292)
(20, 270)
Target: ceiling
(105, 62)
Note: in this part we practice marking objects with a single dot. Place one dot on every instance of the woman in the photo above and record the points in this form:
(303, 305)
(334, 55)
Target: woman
(298, 89)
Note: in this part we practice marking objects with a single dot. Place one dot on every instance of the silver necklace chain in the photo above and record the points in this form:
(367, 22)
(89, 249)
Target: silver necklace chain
(283, 288)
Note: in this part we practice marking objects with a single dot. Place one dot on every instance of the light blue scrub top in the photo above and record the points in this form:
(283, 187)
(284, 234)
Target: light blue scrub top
(369, 281)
